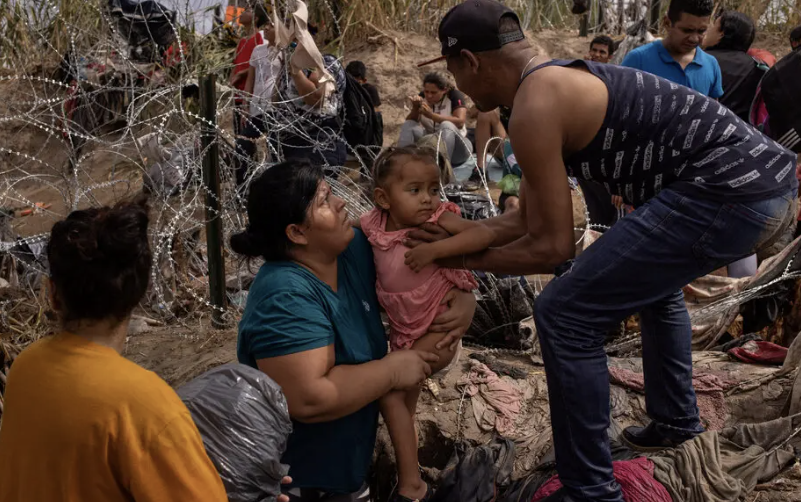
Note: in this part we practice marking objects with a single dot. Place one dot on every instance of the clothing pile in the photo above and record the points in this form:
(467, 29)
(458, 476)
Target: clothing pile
(496, 402)
(635, 477)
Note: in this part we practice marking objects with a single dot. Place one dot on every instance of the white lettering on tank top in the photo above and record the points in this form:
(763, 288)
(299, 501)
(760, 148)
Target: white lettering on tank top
(688, 140)
(717, 152)
(688, 104)
(649, 151)
(786, 169)
(746, 178)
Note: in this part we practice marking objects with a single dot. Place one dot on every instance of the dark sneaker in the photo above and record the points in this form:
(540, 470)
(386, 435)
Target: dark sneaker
(400, 498)
(647, 439)
(475, 177)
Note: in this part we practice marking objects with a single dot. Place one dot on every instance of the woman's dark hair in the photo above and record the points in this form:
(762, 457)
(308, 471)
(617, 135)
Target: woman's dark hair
(260, 16)
(437, 79)
(100, 261)
(279, 197)
(738, 31)
(386, 162)
(700, 8)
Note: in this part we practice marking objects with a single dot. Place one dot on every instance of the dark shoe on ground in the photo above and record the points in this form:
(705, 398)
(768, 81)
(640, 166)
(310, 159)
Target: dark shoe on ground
(647, 439)
(474, 182)
(400, 498)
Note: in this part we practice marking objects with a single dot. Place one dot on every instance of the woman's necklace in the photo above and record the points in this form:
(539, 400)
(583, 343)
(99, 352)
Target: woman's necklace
(527, 65)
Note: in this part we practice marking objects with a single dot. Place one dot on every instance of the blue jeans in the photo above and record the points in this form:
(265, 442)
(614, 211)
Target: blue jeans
(639, 265)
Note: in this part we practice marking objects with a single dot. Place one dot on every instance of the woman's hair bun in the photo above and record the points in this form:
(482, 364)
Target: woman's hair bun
(100, 260)
(243, 243)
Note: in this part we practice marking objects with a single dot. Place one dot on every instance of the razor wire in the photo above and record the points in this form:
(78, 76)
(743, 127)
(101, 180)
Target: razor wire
(101, 136)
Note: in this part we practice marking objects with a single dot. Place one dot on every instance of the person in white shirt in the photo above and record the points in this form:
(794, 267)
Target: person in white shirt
(265, 65)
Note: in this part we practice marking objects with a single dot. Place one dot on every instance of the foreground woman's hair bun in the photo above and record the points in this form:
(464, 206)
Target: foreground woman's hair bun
(100, 260)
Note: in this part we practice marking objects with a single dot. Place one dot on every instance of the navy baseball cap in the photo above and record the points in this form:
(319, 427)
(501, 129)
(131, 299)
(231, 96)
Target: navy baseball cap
(475, 26)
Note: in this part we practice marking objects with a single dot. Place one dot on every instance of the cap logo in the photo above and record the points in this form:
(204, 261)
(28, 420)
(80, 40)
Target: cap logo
(451, 41)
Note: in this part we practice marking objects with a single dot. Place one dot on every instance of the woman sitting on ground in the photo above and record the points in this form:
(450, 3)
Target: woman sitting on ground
(439, 109)
(81, 422)
(313, 324)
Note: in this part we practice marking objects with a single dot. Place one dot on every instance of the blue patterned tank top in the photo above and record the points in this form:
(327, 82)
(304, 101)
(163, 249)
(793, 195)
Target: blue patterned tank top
(657, 133)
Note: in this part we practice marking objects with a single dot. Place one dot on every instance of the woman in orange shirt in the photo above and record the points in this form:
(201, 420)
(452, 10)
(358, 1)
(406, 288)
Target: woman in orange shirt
(81, 422)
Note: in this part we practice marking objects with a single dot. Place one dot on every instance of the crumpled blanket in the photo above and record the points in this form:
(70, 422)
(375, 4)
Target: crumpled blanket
(725, 466)
(496, 402)
(759, 352)
(636, 479)
(306, 54)
(476, 473)
(708, 389)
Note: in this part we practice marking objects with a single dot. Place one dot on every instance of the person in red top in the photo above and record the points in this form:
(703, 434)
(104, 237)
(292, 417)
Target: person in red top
(251, 19)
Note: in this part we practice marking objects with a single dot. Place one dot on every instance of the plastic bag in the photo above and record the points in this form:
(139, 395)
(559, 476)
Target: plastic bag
(243, 418)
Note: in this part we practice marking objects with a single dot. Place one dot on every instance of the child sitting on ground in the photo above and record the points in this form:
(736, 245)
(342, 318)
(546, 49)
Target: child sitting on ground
(410, 286)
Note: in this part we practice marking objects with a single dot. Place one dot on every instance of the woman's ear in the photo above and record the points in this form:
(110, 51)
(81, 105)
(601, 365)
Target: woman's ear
(381, 198)
(296, 235)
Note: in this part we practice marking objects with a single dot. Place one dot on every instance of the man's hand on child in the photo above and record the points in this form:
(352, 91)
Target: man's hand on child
(420, 257)
(427, 232)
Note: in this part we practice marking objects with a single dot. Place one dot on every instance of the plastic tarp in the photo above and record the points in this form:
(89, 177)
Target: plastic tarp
(243, 418)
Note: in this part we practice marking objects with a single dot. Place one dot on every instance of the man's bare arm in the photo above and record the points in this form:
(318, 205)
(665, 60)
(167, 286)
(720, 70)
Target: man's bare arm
(537, 136)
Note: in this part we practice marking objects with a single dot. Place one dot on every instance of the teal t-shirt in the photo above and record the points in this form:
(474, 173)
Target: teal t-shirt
(290, 310)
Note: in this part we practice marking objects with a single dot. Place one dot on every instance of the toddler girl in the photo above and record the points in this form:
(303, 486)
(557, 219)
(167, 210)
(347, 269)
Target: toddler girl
(410, 287)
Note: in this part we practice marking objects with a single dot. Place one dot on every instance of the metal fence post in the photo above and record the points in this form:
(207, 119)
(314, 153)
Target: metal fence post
(211, 180)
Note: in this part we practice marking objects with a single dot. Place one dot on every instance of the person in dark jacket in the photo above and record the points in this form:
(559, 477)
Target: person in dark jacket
(728, 40)
(795, 37)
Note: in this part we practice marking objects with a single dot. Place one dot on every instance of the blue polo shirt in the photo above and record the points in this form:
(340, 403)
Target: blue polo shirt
(702, 74)
(290, 310)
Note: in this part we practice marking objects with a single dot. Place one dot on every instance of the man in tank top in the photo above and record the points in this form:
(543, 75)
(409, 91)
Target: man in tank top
(709, 189)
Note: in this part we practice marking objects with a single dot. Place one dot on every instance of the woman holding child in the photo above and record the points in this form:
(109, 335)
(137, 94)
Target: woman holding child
(313, 323)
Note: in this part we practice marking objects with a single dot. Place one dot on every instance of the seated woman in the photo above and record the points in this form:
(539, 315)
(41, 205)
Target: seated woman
(81, 422)
(313, 324)
(728, 40)
(438, 109)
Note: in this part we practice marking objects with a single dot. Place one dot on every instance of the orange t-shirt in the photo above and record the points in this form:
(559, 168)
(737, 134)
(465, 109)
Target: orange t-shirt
(82, 423)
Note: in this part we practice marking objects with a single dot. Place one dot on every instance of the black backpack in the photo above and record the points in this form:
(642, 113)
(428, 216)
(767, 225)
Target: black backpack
(363, 127)
(780, 92)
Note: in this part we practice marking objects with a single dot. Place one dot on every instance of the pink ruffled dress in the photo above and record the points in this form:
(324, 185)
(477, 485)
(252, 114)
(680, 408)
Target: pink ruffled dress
(411, 300)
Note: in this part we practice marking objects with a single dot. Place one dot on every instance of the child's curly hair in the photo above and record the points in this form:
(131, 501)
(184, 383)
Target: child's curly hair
(387, 161)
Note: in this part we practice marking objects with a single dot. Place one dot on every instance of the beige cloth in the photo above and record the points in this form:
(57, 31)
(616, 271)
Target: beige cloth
(725, 466)
(306, 54)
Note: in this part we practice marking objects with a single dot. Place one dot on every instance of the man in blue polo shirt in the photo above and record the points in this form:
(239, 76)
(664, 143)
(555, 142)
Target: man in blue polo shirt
(678, 57)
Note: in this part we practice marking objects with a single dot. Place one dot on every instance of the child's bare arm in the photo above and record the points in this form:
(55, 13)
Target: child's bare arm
(469, 237)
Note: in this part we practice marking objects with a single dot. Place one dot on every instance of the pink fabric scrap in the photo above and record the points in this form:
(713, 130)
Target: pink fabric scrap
(636, 479)
(708, 389)
(760, 353)
(501, 395)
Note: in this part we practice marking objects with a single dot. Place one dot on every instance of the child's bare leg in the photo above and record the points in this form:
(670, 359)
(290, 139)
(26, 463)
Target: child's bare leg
(410, 484)
(400, 423)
